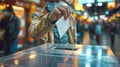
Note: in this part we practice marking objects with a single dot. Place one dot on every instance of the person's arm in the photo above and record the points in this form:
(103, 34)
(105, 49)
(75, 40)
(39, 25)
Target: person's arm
(40, 26)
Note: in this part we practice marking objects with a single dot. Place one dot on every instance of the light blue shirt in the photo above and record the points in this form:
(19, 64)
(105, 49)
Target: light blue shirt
(63, 40)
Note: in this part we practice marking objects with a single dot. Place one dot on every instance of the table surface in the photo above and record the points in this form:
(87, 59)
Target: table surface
(62, 55)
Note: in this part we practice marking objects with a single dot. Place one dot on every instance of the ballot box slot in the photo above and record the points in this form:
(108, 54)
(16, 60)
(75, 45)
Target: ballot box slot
(74, 49)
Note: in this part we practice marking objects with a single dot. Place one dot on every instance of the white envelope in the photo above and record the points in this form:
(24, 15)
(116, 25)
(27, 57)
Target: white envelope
(62, 26)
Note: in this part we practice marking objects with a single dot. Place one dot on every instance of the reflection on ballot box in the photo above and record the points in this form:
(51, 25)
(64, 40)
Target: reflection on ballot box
(62, 55)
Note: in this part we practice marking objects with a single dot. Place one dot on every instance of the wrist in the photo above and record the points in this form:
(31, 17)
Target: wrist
(48, 18)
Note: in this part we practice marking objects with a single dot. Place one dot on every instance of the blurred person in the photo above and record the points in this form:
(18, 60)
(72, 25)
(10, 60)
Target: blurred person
(43, 27)
(112, 31)
(80, 32)
(86, 25)
(118, 27)
(98, 32)
(105, 26)
(12, 26)
(91, 30)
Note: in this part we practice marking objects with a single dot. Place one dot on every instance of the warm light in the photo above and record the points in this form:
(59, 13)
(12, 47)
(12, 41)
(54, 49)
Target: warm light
(80, 49)
(109, 52)
(89, 19)
(85, 17)
(75, 15)
(111, 5)
(16, 62)
(76, 0)
(118, 15)
(33, 6)
(32, 55)
(78, 6)
(81, 18)
(78, 46)
(3, 6)
(2, 65)
(30, 39)
(113, 18)
(18, 8)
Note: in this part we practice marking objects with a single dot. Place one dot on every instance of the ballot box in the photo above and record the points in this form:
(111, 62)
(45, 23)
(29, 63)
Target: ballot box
(62, 55)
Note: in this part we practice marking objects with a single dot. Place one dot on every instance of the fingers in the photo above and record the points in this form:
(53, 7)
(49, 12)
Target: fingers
(64, 11)
(58, 12)
(55, 15)
(67, 9)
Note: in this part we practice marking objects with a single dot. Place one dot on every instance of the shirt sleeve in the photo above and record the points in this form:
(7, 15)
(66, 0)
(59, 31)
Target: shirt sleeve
(40, 26)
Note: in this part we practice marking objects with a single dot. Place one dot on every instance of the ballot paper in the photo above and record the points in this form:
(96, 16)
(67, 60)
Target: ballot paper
(62, 26)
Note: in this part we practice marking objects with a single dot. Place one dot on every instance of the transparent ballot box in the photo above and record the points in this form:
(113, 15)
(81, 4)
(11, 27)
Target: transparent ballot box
(62, 55)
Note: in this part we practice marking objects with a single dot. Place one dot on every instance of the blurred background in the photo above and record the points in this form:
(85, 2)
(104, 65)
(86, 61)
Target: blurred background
(87, 14)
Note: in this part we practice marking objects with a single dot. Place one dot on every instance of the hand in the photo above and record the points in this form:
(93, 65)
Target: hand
(58, 12)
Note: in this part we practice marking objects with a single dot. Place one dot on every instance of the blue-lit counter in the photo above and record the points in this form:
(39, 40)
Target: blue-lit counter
(62, 55)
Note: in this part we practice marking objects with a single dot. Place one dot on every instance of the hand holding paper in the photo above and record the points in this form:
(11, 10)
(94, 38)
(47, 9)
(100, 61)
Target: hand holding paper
(62, 26)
